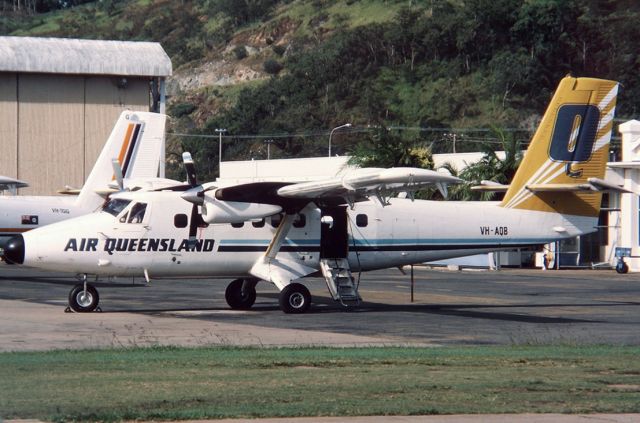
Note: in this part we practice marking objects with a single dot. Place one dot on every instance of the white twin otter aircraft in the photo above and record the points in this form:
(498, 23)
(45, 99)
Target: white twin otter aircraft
(281, 232)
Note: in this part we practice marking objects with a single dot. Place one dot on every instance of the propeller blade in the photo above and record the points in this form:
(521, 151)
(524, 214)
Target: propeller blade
(193, 225)
(189, 168)
(117, 172)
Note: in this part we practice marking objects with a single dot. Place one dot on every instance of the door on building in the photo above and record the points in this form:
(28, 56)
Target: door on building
(334, 236)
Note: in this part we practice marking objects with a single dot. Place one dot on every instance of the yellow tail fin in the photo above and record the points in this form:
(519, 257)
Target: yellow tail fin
(570, 145)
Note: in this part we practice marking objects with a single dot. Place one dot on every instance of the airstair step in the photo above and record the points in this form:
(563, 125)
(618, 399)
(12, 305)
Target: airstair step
(340, 281)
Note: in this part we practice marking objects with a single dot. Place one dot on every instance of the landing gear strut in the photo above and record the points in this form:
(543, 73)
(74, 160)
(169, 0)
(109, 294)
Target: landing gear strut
(241, 294)
(83, 298)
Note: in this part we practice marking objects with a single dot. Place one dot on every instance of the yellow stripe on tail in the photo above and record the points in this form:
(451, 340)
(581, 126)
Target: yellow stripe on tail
(570, 145)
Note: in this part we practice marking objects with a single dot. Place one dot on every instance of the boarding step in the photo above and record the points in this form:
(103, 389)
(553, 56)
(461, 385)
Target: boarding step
(340, 281)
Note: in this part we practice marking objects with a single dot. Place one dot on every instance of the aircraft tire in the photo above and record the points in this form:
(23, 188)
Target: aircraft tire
(295, 298)
(235, 298)
(622, 267)
(81, 304)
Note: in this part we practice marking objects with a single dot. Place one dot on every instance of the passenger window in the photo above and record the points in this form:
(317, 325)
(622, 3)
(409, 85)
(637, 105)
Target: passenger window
(258, 224)
(180, 221)
(136, 215)
(238, 225)
(276, 219)
(300, 221)
(362, 220)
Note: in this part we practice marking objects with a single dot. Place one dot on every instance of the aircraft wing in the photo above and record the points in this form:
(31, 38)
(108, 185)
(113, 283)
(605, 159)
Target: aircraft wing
(10, 183)
(369, 181)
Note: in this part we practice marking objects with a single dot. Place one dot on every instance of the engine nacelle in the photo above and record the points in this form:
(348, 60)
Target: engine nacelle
(216, 211)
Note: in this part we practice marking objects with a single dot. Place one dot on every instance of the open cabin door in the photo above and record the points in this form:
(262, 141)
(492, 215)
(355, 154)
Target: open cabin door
(334, 248)
(334, 236)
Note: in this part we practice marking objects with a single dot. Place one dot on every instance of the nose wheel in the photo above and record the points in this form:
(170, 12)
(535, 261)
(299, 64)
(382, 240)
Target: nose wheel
(83, 298)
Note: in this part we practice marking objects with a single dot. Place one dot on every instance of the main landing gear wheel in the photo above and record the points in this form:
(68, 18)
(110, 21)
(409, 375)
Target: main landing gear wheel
(81, 301)
(622, 267)
(295, 299)
(241, 294)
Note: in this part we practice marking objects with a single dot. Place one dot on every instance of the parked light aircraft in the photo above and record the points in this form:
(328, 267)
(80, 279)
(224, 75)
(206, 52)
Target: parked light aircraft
(280, 232)
(135, 141)
(11, 184)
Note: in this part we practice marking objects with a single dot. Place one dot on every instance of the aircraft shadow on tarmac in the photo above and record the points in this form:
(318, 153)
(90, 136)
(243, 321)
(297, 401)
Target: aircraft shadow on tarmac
(324, 305)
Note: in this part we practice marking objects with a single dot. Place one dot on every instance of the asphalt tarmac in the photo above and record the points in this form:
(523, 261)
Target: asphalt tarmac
(507, 307)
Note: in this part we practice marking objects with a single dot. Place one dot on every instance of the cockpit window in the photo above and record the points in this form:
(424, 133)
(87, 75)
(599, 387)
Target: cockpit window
(137, 213)
(115, 206)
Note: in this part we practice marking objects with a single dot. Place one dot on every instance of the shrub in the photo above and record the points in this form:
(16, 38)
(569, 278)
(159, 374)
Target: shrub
(272, 66)
(182, 109)
(279, 50)
(240, 52)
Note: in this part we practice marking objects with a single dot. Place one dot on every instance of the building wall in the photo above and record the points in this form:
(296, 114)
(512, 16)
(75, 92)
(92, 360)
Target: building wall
(53, 127)
(8, 124)
(50, 132)
(104, 101)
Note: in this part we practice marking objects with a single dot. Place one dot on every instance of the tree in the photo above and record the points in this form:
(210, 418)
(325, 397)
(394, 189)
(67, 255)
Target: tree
(490, 167)
(388, 149)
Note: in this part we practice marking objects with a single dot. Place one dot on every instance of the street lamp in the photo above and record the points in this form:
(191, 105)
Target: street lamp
(346, 125)
(220, 131)
(268, 142)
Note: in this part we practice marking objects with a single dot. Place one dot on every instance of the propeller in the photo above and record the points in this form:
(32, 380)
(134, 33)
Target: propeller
(194, 195)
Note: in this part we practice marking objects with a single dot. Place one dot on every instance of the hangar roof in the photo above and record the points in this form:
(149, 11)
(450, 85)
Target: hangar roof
(74, 56)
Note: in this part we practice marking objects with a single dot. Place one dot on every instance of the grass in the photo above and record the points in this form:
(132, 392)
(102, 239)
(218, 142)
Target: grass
(181, 383)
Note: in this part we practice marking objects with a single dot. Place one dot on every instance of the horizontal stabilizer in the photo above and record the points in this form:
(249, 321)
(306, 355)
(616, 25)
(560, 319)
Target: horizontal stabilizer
(490, 186)
(67, 190)
(138, 184)
(592, 184)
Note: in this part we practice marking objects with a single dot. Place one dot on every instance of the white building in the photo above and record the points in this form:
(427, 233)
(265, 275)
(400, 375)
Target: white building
(624, 215)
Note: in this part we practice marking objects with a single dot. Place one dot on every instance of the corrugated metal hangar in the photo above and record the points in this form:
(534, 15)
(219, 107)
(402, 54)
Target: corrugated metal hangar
(59, 100)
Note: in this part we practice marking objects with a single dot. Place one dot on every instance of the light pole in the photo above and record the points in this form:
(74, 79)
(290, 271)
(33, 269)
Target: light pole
(346, 125)
(268, 142)
(220, 131)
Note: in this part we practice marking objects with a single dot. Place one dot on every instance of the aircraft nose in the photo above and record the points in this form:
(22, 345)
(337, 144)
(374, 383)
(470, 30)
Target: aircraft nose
(14, 250)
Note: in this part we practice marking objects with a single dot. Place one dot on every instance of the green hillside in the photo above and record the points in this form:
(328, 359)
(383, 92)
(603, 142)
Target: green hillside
(306, 66)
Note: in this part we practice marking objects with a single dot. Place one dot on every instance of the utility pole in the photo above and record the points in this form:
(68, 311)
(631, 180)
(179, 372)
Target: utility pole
(220, 131)
(268, 142)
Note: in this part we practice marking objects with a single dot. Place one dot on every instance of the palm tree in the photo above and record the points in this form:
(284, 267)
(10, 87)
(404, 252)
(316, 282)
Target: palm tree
(490, 168)
(387, 149)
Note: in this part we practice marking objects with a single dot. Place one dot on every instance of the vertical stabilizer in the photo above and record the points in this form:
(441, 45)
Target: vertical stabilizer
(136, 142)
(570, 146)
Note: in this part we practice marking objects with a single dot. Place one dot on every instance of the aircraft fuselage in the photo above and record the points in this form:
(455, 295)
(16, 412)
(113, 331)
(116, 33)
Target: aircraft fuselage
(403, 233)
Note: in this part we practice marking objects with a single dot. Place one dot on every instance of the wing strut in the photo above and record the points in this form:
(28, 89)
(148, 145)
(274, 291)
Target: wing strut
(281, 233)
(281, 272)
